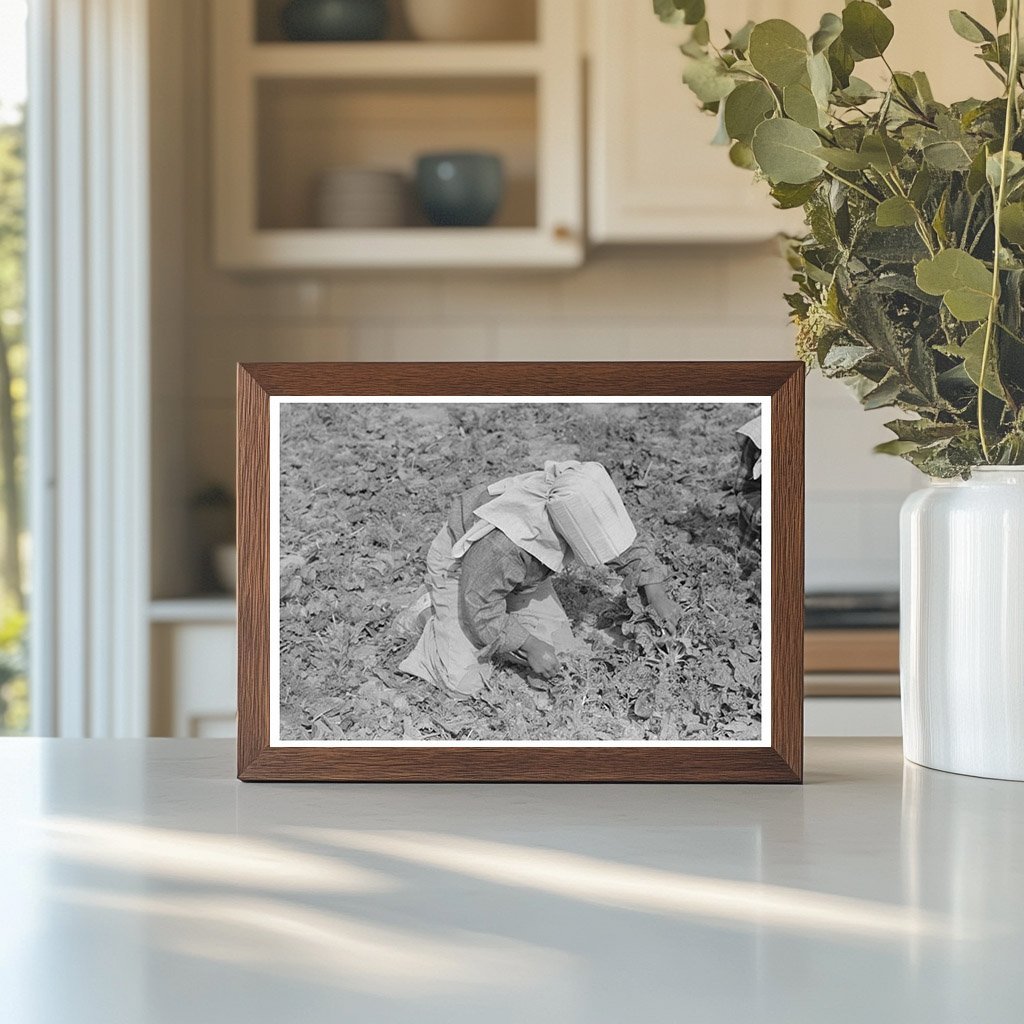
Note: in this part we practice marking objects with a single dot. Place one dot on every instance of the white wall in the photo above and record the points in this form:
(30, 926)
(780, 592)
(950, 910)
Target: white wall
(700, 303)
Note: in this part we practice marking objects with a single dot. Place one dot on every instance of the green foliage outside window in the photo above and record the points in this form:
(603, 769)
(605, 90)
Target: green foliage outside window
(13, 410)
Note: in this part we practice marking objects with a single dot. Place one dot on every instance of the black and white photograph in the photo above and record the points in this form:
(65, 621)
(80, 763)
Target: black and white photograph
(558, 571)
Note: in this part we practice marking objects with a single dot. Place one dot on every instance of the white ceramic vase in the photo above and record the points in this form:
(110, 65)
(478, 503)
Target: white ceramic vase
(962, 624)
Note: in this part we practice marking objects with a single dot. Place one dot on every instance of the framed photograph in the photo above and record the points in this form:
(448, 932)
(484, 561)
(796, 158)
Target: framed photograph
(520, 572)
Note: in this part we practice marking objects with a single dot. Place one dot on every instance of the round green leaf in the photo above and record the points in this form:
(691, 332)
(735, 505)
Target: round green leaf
(778, 50)
(858, 91)
(800, 105)
(844, 159)
(961, 279)
(976, 172)
(740, 39)
(674, 12)
(807, 101)
(830, 29)
(866, 29)
(952, 268)
(841, 61)
(789, 197)
(1012, 225)
(820, 75)
(946, 155)
(785, 152)
(882, 152)
(708, 81)
(747, 106)
(1014, 169)
(895, 212)
(896, 447)
(743, 156)
(968, 28)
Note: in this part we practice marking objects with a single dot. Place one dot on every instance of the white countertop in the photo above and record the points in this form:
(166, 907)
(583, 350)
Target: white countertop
(143, 885)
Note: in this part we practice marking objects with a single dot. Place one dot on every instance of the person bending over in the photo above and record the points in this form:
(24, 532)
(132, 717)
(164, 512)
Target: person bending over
(490, 567)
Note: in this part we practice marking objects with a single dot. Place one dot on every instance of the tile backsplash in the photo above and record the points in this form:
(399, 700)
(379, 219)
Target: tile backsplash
(699, 303)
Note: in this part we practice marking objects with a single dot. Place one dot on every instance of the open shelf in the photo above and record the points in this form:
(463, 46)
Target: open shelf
(393, 59)
(306, 128)
(286, 114)
(520, 17)
(405, 248)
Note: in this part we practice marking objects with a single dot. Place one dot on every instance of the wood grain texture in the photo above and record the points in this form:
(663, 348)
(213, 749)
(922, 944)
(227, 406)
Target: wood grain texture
(252, 487)
(852, 650)
(787, 569)
(781, 762)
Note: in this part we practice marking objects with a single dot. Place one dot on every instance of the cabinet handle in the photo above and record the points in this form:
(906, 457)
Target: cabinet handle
(563, 233)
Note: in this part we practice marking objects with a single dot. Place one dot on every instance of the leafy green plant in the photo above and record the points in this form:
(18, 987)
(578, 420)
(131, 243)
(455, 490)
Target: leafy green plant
(14, 706)
(911, 275)
(364, 488)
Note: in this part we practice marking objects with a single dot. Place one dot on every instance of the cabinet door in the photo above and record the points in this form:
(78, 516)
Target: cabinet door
(194, 679)
(925, 41)
(654, 175)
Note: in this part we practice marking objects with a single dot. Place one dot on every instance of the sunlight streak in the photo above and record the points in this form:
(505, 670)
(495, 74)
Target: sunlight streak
(647, 890)
(209, 858)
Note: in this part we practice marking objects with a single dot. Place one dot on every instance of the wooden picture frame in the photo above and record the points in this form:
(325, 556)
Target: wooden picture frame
(778, 758)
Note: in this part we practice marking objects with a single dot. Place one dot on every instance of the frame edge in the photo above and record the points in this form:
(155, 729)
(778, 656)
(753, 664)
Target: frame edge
(781, 381)
(252, 474)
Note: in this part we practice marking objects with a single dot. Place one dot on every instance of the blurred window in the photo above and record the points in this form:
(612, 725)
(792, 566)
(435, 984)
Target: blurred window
(14, 546)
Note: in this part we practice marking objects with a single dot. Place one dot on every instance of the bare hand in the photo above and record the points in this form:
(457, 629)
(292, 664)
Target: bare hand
(544, 661)
(662, 608)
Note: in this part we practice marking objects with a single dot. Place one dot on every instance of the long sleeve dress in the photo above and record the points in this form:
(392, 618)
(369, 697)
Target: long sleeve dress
(488, 603)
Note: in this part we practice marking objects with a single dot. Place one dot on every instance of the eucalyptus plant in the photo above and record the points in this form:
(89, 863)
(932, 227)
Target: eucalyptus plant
(910, 278)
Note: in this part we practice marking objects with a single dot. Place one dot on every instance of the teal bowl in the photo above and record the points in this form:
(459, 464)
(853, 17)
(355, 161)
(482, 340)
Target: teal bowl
(460, 190)
(334, 21)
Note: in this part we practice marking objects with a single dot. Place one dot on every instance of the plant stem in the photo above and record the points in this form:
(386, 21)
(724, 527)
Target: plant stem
(969, 218)
(981, 231)
(908, 101)
(856, 188)
(771, 89)
(923, 228)
(993, 309)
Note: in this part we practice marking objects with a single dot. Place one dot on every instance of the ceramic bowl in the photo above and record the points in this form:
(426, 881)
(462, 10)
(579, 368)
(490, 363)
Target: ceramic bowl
(334, 20)
(358, 197)
(460, 189)
(471, 20)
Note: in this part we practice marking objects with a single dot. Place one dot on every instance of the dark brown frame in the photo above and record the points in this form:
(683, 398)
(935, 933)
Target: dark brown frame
(782, 761)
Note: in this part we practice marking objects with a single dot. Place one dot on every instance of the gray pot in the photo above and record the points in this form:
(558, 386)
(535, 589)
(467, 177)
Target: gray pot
(334, 20)
(460, 189)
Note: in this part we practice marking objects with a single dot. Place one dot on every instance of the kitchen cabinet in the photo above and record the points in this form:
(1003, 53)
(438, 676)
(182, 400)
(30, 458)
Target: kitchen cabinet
(286, 113)
(653, 175)
(192, 649)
